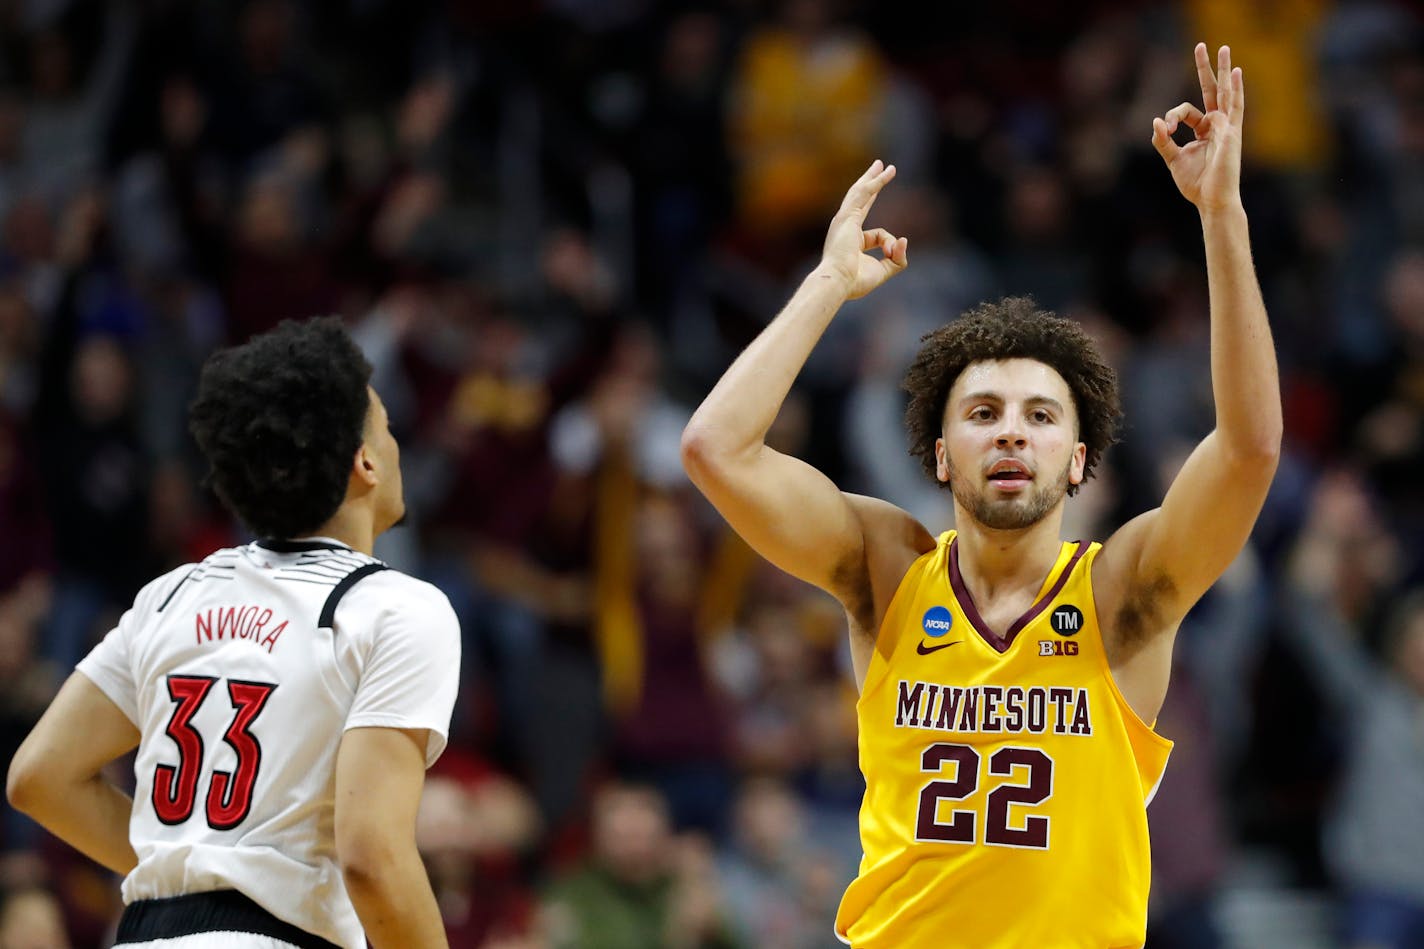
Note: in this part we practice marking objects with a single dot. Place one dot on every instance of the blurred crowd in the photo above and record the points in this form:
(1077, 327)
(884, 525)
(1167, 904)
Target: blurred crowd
(551, 226)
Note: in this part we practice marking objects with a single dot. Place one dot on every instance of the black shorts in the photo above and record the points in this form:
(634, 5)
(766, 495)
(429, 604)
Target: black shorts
(211, 912)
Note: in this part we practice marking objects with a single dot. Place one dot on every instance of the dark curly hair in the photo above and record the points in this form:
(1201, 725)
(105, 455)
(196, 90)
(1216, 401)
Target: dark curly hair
(279, 419)
(1012, 328)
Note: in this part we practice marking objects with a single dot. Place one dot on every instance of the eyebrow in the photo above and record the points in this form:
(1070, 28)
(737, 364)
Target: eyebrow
(1044, 400)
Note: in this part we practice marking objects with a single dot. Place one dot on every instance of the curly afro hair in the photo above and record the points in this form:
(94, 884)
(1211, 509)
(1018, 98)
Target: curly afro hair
(279, 419)
(1012, 328)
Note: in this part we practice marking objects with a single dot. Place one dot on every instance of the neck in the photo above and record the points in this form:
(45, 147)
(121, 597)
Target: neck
(353, 526)
(992, 561)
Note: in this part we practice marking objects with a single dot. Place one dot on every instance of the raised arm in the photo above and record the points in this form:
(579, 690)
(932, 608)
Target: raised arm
(1163, 561)
(789, 512)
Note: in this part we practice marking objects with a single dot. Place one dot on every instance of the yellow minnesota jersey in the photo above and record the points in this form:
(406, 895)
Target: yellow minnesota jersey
(1006, 778)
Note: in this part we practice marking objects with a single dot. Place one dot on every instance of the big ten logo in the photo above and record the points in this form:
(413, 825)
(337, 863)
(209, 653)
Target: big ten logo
(1066, 620)
(1057, 647)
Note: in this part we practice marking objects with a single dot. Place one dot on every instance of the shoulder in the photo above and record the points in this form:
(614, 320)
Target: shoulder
(893, 541)
(390, 594)
(893, 538)
(420, 593)
(156, 592)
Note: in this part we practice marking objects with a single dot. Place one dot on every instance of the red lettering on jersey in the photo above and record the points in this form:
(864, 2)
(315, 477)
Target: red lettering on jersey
(271, 639)
(227, 622)
(261, 622)
(237, 622)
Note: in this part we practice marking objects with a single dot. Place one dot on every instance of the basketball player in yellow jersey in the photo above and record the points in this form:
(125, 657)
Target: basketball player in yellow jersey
(1008, 680)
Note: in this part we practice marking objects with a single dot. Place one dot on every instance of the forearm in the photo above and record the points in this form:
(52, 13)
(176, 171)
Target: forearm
(740, 409)
(1243, 357)
(395, 902)
(92, 816)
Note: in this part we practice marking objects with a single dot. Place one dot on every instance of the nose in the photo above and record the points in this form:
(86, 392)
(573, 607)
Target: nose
(1011, 432)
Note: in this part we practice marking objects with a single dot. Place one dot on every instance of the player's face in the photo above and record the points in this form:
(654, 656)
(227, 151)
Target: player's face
(1010, 447)
(381, 446)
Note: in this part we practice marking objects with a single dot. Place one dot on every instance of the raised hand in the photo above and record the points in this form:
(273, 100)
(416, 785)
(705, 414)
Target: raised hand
(1208, 170)
(847, 240)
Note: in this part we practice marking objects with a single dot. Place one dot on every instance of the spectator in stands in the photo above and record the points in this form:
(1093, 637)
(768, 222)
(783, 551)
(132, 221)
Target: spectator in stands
(639, 888)
(1342, 564)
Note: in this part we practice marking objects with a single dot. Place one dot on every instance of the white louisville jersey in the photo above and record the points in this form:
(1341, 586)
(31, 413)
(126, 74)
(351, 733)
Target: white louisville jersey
(242, 673)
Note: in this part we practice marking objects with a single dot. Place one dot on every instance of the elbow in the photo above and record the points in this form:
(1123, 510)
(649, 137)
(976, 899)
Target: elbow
(360, 878)
(699, 451)
(709, 448)
(693, 449)
(1260, 452)
(24, 784)
(1266, 445)
(365, 861)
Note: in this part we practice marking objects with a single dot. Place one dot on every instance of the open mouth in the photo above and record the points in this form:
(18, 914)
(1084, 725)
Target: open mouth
(1009, 474)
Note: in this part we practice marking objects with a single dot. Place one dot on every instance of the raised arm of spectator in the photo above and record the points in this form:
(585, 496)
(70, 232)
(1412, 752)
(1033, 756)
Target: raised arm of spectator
(789, 512)
(78, 231)
(1340, 526)
(1163, 561)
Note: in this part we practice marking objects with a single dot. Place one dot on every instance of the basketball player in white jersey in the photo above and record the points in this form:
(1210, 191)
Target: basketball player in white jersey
(285, 696)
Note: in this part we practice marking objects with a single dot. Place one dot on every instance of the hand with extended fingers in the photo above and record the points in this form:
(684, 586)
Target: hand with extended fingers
(1208, 170)
(847, 240)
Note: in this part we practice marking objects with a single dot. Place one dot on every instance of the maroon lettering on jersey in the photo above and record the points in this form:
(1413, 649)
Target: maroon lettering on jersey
(928, 720)
(909, 703)
(1082, 723)
(1037, 710)
(948, 708)
(1013, 708)
(1059, 698)
(969, 717)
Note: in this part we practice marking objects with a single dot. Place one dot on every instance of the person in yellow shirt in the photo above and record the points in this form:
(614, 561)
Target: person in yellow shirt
(1008, 680)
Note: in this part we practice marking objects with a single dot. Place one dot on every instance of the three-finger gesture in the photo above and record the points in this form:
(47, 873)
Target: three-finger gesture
(1207, 170)
(847, 240)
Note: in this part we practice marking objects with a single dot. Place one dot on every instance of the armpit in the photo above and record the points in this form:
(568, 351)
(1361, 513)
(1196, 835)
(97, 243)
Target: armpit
(1141, 613)
(851, 583)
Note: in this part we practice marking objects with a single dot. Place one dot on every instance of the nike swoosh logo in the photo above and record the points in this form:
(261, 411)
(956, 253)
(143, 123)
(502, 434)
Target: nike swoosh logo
(924, 650)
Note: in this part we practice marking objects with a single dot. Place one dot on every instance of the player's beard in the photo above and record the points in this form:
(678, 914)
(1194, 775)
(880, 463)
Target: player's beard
(1009, 513)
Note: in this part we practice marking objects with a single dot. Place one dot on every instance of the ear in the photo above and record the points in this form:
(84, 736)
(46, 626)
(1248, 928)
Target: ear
(1080, 460)
(941, 461)
(363, 467)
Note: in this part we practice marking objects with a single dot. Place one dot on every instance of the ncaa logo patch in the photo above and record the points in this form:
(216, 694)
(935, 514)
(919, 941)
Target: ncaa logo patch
(1066, 620)
(937, 621)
